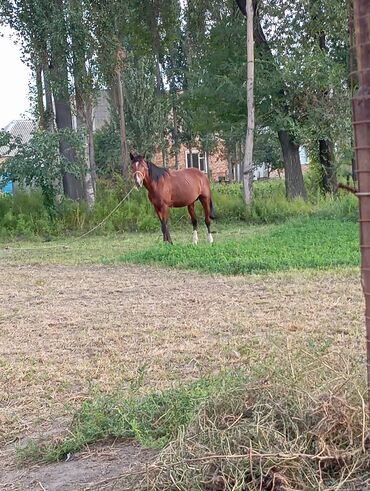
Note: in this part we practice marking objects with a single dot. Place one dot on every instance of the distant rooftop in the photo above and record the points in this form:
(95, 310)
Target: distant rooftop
(19, 128)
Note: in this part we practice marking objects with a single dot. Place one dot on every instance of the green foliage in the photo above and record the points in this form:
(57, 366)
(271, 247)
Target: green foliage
(107, 149)
(153, 419)
(313, 243)
(137, 214)
(147, 108)
(38, 164)
(24, 216)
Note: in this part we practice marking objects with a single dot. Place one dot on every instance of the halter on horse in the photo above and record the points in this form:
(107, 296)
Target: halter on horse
(174, 189)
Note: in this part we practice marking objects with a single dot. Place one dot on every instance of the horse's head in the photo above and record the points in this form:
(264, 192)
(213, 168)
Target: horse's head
(139, 168)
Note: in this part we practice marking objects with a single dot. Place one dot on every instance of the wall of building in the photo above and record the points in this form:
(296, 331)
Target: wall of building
(216, 161)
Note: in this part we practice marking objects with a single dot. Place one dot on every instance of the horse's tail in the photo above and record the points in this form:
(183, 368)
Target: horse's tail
(213, 213)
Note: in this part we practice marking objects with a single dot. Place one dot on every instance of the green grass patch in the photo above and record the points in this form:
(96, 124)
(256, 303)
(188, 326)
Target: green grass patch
(295, 420)
(313, 243)
(152, 420)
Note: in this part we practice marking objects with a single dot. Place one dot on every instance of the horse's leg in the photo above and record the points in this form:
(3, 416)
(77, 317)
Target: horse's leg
(206, 203)
(162, 213)
(191, 210)
(163, 217)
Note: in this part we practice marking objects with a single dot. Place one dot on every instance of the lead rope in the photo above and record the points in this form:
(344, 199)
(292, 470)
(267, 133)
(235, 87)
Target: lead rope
(76, 238)
(106, 218)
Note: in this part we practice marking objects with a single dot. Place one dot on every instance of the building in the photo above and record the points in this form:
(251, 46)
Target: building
(213, 164)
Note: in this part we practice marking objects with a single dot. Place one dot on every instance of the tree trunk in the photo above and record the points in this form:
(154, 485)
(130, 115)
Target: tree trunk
(248, 152)
(293, 172)
(175, 136)
(83, 98)
(122, 126)
(49, 109)
(71, 185)
(63, 114)
(294, 184)
(40, 97)
(90, 130)
(84, 122)
(326, 154)
(326, 147)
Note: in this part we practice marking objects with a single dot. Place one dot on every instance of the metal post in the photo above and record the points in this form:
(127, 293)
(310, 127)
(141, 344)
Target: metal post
(361, 124)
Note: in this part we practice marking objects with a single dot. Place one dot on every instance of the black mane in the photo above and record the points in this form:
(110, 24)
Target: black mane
(155, 172)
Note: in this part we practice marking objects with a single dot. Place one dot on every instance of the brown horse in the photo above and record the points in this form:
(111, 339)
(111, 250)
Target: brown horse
(174, 189)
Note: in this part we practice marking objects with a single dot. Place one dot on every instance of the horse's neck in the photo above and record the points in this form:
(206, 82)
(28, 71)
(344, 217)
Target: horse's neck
(148, 184)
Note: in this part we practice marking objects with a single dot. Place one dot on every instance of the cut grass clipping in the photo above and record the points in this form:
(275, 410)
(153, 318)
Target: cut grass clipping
(298, 244)
(292, 424)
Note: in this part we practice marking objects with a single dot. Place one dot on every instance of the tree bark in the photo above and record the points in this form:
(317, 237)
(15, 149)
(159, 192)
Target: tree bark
(175, 136)
(49, 109)
(71, 185)
(294, 184)
(326, 147)
(122, 126)
(63, 114)
(326, 155)
(83, 97)
(248, 152)
(84, 122)
(40, 97)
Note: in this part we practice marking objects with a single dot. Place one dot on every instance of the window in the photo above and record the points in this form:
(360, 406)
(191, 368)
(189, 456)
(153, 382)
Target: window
(196, 160)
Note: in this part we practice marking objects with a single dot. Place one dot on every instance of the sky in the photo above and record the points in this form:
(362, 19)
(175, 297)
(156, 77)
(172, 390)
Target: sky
(14, 80)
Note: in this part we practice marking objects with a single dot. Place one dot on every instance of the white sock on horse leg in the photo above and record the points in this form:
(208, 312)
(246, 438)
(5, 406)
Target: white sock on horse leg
(195, 237)
(210, 238)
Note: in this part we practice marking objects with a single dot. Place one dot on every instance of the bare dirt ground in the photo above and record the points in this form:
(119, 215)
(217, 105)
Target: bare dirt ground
(67, 330)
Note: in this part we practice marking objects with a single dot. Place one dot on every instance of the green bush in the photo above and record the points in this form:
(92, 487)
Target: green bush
(25, 216)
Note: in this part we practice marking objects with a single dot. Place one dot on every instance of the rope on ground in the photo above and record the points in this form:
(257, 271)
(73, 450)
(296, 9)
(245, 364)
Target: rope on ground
(106, 218)
(76, 238)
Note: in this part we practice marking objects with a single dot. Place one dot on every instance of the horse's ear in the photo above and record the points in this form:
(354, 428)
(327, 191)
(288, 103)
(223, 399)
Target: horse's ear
(144, 154)
(132, 157)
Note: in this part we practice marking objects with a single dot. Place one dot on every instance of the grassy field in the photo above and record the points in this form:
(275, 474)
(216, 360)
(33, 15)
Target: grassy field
(298, 244)
(253, 382)
(310, 243)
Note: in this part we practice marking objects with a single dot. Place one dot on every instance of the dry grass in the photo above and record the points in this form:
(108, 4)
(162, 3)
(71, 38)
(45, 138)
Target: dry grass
(279, 435)
(66, 330)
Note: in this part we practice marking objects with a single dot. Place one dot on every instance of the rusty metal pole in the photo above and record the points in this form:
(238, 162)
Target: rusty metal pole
(361, 124)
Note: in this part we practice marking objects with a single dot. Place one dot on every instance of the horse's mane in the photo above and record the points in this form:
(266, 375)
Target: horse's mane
(155, 172)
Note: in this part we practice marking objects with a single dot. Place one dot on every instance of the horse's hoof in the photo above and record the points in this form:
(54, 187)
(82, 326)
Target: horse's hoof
(195, 237)
(210, 238)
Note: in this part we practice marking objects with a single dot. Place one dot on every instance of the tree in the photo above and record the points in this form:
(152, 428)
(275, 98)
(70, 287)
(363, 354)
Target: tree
(309, 40)
(41, 28)
(82, 68)
(248, 151)
(37, 163)
(58, 68)
(111, 51)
